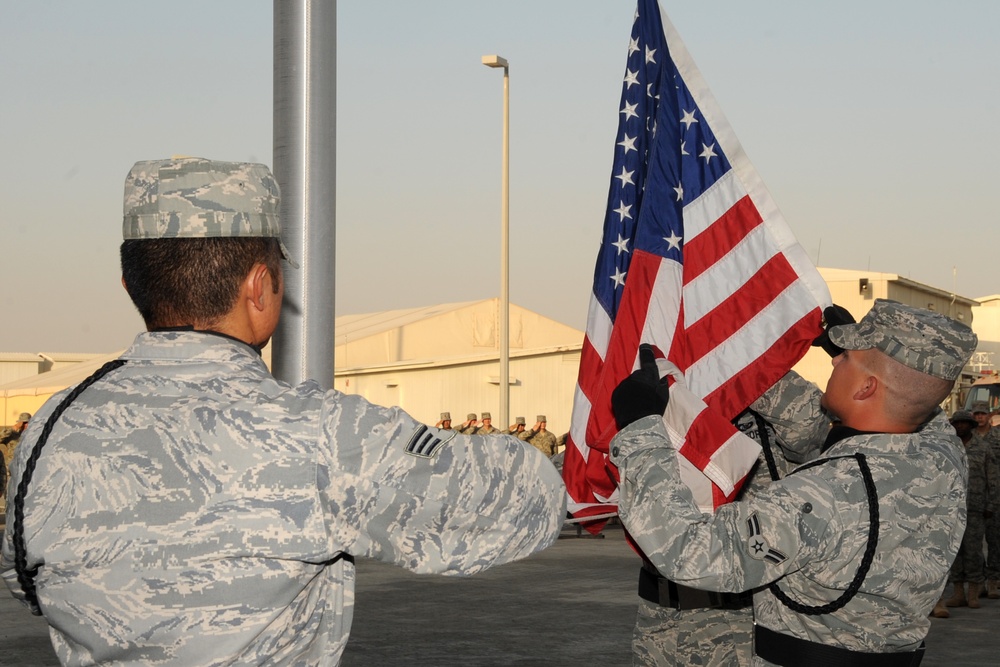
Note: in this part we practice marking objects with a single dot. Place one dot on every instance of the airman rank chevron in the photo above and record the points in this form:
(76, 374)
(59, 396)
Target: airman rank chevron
(757, 546)
(425, 442)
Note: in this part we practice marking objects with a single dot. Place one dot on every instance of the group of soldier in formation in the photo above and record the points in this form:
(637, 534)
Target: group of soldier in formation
(538, 436)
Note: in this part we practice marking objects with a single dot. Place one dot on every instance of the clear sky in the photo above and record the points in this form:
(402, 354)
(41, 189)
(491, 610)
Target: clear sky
(874, 125)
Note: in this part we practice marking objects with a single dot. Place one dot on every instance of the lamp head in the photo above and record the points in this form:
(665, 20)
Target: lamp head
(495, 61)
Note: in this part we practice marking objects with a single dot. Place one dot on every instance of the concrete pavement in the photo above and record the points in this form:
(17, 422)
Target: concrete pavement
(574, 605)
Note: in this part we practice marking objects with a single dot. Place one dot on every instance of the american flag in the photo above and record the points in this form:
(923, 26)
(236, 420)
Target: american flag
(695, 259)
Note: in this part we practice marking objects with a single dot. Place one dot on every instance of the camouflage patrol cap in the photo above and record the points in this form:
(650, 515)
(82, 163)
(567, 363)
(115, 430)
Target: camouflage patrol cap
(24, 417)
(520, 420)
(471, 416)
(962, 416)
(980, 406)
(920, 339)
(445, 416)
(486, 415)
(192, 197)
(541, 418)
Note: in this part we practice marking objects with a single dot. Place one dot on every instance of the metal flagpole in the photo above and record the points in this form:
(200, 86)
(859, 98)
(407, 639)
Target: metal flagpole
(305, 130)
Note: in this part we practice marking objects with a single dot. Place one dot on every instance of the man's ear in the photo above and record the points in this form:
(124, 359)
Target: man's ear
(258, 286)
(867, 388)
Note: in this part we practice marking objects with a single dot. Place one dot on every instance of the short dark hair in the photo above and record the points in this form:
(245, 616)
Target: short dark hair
(177, 282)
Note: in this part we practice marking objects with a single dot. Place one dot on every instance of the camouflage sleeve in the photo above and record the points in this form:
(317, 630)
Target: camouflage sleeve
(792, 407)
(976, 490)
(992, 481)
(435, 501)
(744, 544)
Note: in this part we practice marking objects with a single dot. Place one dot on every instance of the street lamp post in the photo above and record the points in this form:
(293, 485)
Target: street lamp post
(497, 61)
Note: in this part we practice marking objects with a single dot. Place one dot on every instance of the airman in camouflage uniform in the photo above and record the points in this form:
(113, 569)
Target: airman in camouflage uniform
(190, 509)
(445, 422)
(487, 428)
(991, 435)
(852, 549)
(9, 436)
(540, 438)
(469, 427)
(517, 428)
(981, 502)
(716, 629)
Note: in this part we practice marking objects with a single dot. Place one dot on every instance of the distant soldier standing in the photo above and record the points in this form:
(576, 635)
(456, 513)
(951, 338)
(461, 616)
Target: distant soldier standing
(10, 435)
(469, 426)
(445, 422)
(541, 438)
(981, 500)
(517, 428)
(487, 428)
(990, 435)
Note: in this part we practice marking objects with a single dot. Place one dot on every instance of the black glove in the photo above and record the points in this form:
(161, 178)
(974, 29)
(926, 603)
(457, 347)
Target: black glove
(832, 316)
(642, 393)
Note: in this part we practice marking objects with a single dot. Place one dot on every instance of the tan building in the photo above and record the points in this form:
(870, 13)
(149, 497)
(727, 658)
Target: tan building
(857, 291)
(986, 324)
(27, 380)
(446, 358)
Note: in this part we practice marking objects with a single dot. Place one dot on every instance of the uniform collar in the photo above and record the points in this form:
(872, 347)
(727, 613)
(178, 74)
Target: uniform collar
(186, 344)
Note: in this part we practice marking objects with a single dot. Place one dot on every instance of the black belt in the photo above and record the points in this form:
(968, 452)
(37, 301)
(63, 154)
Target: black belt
(667, 593)
(787, 651)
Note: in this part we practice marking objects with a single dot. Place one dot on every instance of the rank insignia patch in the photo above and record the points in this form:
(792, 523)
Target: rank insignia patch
(757, 546)
(425, 442)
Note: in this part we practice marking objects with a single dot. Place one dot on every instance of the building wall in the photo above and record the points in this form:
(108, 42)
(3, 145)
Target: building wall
(463, 332)
(15, 369)
(986, 324)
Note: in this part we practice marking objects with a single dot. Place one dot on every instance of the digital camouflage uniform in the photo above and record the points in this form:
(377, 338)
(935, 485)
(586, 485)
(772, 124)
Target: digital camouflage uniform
(9, 437)
(470, 429)
(542, 440)
(190, 507)
(981, 498)
(664, 636)
(487, 430)
(809, 532)
(992, 527)
(814, 526)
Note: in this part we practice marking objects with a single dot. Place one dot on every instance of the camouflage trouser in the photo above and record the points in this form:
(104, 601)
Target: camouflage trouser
(968, 565)
(993, 547)
(711, 637)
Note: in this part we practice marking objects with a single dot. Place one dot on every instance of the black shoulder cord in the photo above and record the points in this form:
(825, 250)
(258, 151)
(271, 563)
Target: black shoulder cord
(866, 560)
(25, 576)
(765, 444)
